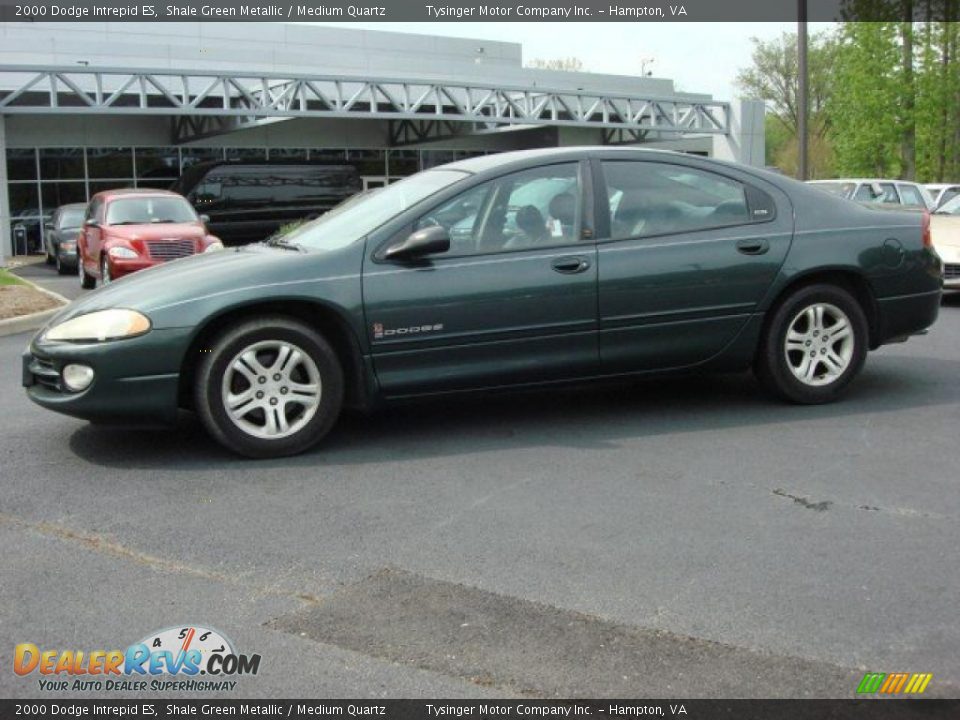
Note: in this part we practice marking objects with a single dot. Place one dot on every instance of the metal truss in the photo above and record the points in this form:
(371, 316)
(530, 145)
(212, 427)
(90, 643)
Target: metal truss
(209, 102)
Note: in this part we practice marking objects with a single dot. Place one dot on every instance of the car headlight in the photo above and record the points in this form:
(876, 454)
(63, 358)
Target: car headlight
(118, 251)
(99, 326)
(214, 246)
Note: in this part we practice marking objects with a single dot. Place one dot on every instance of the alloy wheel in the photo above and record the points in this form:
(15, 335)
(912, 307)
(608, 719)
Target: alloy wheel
(819, 344)
(271, 389)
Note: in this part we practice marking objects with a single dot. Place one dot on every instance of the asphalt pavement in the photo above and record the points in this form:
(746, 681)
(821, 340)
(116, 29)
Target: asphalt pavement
(681, 537)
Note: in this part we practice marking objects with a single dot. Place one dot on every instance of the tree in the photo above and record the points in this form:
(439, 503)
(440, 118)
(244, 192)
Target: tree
(774, 77)
(866, 117)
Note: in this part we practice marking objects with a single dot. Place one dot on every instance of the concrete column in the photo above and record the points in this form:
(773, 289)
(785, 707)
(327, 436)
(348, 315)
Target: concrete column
(6, 249)
(745, 141)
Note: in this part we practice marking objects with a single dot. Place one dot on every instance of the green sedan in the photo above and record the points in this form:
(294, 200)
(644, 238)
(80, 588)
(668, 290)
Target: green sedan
(513, 270)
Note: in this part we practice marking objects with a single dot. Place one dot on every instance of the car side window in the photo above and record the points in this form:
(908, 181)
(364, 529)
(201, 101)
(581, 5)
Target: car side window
(877, 193)
(521, 211)
(93, 211)
(648, 198)
(911, 196)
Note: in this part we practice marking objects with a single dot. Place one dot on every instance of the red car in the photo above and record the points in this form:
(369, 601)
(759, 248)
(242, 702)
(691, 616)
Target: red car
(129, 230)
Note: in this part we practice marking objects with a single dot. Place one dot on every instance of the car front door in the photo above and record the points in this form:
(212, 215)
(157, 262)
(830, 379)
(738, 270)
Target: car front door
(514, 300)
(685, 255)
(92, 234)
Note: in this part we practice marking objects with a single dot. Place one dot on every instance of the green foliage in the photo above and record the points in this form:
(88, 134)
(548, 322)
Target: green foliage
(884, 96)
(865, 122)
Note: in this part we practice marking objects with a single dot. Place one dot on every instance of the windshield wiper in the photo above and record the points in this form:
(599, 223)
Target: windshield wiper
(129, 222)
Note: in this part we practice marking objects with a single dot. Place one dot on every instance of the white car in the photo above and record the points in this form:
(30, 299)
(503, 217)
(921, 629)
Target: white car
(879, 191)
(945, 233)
(943, 192)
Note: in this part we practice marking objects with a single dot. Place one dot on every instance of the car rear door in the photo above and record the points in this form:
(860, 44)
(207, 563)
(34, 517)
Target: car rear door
(514, 300)
(685, 254)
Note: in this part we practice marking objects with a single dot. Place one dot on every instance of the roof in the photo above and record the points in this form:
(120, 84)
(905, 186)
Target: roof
(135, 192)
(485, 162)
(865, 180)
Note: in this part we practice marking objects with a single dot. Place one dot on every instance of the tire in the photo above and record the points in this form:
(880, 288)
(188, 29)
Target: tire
(61, 268)
(49, 259)
(86, 281)
(255, 427)
(105, 277)
(813, 347)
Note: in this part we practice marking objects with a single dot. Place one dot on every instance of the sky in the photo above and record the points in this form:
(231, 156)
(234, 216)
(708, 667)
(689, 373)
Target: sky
(699, 57)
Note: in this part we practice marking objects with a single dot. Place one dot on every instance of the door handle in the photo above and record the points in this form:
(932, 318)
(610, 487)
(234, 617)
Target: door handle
(570, 264)
(753, 246)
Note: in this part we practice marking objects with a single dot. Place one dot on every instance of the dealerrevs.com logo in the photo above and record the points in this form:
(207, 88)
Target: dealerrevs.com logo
(174, 659)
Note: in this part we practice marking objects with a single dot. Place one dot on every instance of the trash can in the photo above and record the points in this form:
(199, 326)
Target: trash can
(19, 239)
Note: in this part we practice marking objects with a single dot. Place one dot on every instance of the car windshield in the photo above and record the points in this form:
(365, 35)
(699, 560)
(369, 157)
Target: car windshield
(150, 210)
(950, 208)
(71, 218)
(350, 221)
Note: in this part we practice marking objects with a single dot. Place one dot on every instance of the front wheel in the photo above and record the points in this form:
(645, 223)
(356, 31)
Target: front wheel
(815, 344)
(269, 387)
(87, 282)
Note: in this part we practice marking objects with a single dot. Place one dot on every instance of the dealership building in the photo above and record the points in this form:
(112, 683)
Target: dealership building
(86, 107)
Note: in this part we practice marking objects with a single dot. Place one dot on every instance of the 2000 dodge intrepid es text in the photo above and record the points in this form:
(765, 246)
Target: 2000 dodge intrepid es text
(517, 269)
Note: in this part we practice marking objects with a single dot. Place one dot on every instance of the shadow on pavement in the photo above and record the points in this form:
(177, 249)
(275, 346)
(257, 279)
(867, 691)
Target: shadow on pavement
(593, 417)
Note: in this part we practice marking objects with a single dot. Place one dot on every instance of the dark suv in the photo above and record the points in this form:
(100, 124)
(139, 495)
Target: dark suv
(248, 202)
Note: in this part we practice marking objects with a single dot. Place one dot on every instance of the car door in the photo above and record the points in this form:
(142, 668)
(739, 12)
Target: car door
(514, 300)
(685, 255)
(92, 235)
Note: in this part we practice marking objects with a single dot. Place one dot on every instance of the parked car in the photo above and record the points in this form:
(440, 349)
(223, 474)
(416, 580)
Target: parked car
(942, 193)
(60, 236)
(635, 262)
(880, 192)
(248, 202)
(945, 231)
(129, 230)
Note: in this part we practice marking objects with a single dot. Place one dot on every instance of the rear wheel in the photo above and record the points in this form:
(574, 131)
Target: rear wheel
(815, 345)
(87, 282)
(269, 387)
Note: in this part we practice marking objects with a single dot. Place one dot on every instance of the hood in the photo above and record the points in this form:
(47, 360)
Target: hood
(167, 292)
(945, 230)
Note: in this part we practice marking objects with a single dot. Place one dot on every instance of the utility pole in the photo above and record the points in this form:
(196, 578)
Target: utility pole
(802, 93)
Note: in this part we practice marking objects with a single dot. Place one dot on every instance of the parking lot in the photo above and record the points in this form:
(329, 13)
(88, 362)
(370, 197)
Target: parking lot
(681, 537)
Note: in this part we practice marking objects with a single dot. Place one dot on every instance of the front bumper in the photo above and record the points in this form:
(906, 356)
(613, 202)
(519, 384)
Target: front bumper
(67, 257)
(120, 267)
(136, 381)
(950, 254)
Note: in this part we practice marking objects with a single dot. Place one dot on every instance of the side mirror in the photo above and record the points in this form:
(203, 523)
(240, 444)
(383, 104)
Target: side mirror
(90, 222)
(205, 219)
(429, 240)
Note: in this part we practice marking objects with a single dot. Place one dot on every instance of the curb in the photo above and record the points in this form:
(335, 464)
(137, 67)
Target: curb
(33, 321)
(24, 323)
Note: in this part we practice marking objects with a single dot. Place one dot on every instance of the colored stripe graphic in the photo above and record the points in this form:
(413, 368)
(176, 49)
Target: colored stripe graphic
(871, 683)
(894, 683)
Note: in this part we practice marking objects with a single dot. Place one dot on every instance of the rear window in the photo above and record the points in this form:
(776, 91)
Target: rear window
(149, 210)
